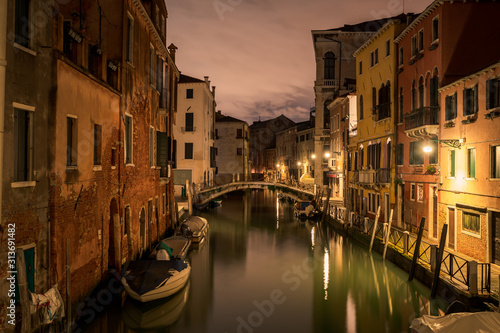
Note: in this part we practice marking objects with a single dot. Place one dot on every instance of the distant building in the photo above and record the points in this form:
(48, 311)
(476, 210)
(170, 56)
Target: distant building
(334, 77)
(231, 149)
(305, 151)
(286, 159)
(263, 137)
(194, 133)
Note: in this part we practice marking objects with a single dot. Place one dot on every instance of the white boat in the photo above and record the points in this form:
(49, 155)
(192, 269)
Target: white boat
(148, 280)
(195, 228)
(461, 322)
(177, 245)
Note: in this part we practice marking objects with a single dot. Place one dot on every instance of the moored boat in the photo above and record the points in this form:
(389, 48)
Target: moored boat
(461, 322)
(195, 228)
(148, 280)
(178, 246)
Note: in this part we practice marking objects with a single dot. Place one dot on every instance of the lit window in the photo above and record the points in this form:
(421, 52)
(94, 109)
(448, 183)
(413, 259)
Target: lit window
(471, 222)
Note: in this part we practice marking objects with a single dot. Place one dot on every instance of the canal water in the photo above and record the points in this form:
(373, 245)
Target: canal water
(262, 270)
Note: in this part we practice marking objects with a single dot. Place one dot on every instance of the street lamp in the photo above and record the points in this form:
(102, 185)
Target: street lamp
(298, 163)
(313, 156)
(327, 155)
(454, 143)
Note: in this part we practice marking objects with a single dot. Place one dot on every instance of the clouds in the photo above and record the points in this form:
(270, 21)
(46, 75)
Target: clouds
(259, 53)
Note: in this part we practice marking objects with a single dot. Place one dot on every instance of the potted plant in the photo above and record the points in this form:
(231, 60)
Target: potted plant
(430, 169)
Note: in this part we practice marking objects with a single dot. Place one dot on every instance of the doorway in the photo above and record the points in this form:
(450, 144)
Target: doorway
(114, 223)
(142, 222)
(495, 231)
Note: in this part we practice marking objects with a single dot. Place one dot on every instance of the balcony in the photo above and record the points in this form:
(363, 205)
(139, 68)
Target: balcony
(383, 176)
(367, 177)
(328, 83)
(422, 122)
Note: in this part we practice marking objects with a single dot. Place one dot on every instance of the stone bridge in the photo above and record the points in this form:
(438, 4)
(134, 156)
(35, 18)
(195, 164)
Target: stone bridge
(202, 197)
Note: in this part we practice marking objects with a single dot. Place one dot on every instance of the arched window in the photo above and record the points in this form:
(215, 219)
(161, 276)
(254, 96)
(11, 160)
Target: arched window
(361, 107)
(329, 66)
(374, 100)
(421, 92)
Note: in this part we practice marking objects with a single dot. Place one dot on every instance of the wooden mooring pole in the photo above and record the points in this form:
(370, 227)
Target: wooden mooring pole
(325, 205)
(416, 251)
(388, 234)
(439, 259)
(68, 286)
(375, 227)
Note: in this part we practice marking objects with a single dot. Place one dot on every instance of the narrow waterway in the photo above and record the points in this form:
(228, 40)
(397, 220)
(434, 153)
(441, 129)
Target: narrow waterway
(262, 270)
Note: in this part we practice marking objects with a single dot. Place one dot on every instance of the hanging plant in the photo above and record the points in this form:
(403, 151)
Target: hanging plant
(430, 169)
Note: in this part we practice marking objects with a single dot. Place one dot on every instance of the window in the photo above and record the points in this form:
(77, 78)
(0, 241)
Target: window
(71, 141)
(433, 156)
(329, 60)
(470, 101)
(495, 162)
(400, 154)
(414, 46)
(471, 163)
(189, 93)
(401, 106)
(387, 47)
(239, 133)
(374, 58)
(421, 92)
(493, 93)
(22, 23)
(360, 67)
(189, 122)
(421, 40)
(239, 151)
(433, 93)
(435, 29)
(151, 146)
(361, 107)
(188, 150)
(471, 222)
(162, 25)
(157, 15)
(451, 107)
(413, 96)
(452, 163)
(23, 145)
(128, 139)
(416, 153)
(97, 144)
(420, 192)
(130, 38)
(216, 133)
(401, 54)
(152, 60)
(374, 100)
(412, 192)
(126, 220)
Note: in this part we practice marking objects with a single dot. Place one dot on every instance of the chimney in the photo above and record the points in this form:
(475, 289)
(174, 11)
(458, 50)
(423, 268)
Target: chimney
(171, 50)
(409, 18)
(213, 91)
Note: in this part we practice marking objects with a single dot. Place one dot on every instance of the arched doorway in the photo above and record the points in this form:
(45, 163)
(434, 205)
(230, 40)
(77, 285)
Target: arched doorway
(142, 223)
(113, 235)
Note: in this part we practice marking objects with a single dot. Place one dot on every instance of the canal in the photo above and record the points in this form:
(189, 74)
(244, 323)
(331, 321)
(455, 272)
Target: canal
(262, 270)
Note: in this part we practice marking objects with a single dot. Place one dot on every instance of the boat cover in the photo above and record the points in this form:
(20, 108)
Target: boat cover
(145, 275)
(462, 322)
(195, 223)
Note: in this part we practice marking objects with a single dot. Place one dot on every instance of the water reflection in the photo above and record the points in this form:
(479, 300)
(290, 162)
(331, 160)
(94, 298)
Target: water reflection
(260, 270)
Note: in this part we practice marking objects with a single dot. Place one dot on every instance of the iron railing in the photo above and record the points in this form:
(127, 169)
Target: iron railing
(428, 115)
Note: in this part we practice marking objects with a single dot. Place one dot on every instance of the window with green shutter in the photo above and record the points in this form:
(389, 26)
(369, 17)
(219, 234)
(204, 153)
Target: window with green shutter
(471, 163)
(452, 163)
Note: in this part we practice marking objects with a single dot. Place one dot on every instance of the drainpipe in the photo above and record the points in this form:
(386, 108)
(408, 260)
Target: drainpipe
(3, 67)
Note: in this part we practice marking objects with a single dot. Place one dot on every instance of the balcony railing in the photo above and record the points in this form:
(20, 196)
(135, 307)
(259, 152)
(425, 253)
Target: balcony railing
(328, 83)
(428, 115)
(367, 176)
(383, 176)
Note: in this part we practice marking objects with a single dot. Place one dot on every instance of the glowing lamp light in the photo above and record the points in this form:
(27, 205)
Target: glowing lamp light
(427, 149)
(298, 163)
(277, 165)
(313, 156)
(327, 155)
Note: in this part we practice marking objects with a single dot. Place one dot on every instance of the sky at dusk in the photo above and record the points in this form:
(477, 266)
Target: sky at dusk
(259, 53)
